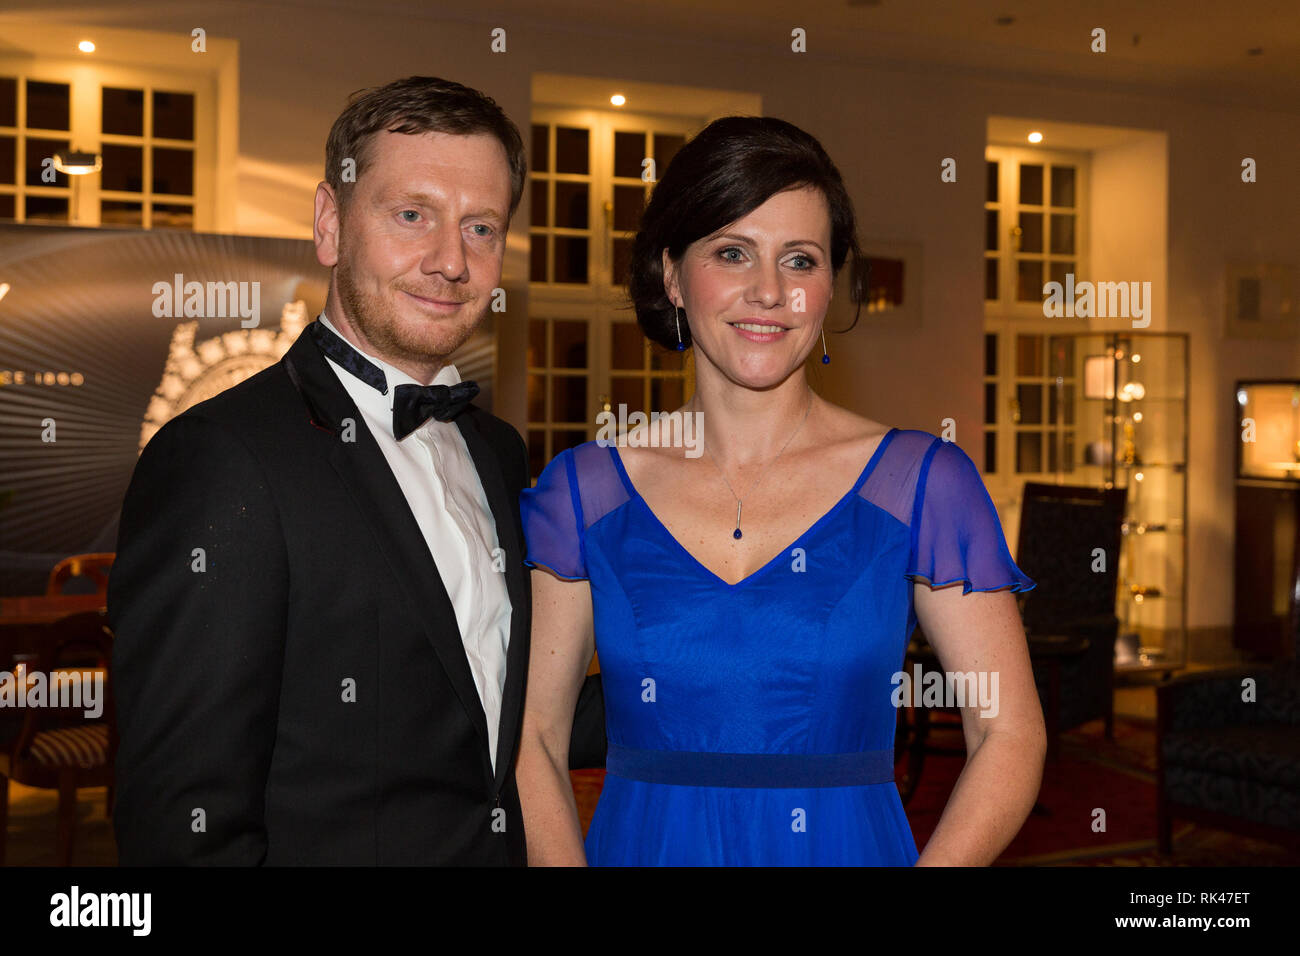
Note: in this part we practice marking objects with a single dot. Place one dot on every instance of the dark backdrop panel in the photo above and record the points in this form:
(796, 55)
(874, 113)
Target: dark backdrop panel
(80, 344)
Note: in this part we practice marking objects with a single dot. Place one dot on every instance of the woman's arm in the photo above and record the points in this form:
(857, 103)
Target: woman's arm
(981, 632)
(561, 648)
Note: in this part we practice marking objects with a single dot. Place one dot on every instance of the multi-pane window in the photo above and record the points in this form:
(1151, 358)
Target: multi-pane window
(35, 123)
(147, 138)
(591, 175)
(1035, 232)
(1043, 406)
(991, 403)
(148, 149)
(1033, 226)
(560, 232)
(644, 376)
(1046, 216)
(992, 230)
(1030, 399)
(558, 371)
(633, 151)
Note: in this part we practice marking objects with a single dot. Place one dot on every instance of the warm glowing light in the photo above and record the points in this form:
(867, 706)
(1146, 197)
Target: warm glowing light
(1035, 137)
(1137, 416)
(1132, 392)
(1136, 358)
(85, 46)
(1137, 476)
(618, 99)
(76, 163)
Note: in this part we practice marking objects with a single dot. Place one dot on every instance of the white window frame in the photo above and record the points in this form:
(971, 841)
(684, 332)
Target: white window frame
(86, 82)
(600, 302)
(1007, 317)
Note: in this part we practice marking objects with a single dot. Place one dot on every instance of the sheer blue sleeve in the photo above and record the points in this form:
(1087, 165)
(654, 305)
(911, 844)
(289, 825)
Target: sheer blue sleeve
(552, 518)
(956, 534)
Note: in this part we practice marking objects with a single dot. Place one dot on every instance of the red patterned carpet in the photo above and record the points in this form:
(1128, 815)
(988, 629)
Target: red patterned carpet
(1091, 773)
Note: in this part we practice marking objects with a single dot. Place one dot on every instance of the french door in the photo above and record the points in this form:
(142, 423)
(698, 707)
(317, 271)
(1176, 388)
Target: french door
(591, 173)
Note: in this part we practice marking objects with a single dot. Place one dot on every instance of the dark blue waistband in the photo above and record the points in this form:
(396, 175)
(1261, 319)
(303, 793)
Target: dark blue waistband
(695, 769)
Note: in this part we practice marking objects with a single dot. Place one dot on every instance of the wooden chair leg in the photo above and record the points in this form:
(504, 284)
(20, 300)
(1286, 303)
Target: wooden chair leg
(67, 816)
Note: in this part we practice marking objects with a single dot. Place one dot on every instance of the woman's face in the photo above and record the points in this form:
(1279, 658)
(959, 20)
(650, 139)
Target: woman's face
(757, 290)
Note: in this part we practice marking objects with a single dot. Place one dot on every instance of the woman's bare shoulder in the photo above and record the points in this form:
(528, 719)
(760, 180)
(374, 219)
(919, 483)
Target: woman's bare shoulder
(850, 427)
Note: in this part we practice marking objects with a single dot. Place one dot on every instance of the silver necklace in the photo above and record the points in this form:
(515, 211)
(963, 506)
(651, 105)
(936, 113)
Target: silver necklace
(736, 534)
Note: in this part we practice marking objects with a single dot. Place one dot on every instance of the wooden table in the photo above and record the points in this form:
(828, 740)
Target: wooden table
(25, 620)
(45, 608)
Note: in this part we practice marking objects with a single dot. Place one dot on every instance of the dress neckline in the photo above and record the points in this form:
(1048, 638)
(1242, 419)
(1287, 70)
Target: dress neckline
(696, 562)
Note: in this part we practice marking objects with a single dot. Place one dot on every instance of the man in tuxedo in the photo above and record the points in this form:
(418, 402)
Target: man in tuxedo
(320, 610)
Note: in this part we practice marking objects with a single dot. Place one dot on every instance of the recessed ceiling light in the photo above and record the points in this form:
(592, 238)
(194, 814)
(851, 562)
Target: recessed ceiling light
(618, 99)
(85, 46)
(1035, 137)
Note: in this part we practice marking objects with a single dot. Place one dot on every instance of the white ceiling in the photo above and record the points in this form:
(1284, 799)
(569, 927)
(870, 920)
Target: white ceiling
(1196, 48)
(1192, 48)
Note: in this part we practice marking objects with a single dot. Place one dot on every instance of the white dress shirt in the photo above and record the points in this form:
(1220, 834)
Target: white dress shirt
(437, 475)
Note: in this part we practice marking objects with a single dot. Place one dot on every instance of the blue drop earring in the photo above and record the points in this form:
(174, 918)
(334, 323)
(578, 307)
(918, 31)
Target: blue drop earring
(826, 358)
(677, 310)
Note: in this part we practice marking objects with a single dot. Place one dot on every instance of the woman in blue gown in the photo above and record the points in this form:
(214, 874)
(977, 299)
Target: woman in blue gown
(750, 596)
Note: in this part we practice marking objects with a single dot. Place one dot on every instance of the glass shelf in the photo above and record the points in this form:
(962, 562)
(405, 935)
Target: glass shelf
(1144, 435)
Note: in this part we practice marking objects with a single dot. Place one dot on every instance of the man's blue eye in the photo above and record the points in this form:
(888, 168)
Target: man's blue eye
(411, 212)
(488, 228)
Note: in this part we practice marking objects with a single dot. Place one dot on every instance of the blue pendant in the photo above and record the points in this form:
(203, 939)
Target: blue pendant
(736, 534)
(826, 360)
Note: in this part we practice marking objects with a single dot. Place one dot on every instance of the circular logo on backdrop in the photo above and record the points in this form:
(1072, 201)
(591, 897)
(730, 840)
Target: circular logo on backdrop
(196, 371)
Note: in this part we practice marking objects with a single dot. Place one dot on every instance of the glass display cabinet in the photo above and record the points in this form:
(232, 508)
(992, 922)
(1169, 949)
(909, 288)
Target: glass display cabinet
(1103, 410)
(1130, 405)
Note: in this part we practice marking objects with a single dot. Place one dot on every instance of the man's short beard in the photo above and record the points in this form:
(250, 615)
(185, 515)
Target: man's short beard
(390, 339)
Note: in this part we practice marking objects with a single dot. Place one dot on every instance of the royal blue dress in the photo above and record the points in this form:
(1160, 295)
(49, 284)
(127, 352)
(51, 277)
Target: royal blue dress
(752, 723)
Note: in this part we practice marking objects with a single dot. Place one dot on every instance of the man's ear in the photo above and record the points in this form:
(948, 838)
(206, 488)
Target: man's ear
(325, 228)
(671, 288)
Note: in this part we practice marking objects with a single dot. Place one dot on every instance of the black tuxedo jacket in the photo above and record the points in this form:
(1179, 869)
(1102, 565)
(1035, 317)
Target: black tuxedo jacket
(290, 680)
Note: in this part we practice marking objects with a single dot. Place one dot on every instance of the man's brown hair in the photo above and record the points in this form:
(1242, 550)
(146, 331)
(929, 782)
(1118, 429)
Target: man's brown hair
(418, 104)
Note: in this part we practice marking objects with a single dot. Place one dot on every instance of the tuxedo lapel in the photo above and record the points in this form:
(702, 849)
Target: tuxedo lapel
(508, 539)
(365, 471)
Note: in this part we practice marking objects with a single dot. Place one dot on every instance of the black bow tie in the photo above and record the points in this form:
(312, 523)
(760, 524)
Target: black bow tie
(413, 405)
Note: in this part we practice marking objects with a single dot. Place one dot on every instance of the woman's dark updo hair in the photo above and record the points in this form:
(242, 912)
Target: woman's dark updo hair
(731, 168)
